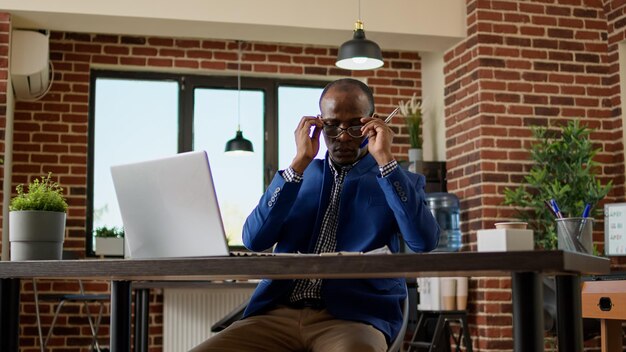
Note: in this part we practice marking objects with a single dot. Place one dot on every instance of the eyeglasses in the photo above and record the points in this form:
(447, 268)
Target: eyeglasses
(334, 131)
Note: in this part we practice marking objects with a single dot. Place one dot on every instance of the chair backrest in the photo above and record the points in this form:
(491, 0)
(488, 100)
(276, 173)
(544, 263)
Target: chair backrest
(396, 345)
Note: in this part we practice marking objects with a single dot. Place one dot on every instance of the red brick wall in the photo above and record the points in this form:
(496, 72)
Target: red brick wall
(51, 134)
(523, 63)
(5, 37)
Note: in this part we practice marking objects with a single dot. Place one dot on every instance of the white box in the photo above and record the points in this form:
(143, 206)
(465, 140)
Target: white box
(502, 240)
(428, 289)
(110, 246)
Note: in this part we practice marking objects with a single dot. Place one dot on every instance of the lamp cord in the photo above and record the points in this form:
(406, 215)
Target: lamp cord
(239, 87)
(359, 10)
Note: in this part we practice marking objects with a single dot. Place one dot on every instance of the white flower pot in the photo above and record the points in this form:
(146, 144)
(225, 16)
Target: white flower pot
(113, 246)
(415, 160)
(36, 235)
(415, 154)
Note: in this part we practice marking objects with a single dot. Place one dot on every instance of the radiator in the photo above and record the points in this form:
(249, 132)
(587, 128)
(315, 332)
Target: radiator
(189, 313)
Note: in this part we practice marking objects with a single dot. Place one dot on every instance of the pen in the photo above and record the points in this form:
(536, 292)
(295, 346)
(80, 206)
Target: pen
(393, 113)
(557, 211)
(550, 208)
(581, 228)
(587, 210)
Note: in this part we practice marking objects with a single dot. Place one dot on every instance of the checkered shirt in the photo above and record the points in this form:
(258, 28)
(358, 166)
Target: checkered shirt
(327, 240)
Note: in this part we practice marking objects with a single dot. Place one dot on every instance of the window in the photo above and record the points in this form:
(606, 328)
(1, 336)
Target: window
(130, 114)
(293, 103)
(215, 114)
(139, 116)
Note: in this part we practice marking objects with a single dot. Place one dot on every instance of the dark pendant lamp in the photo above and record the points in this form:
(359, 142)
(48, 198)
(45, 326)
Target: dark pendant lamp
(239, 145)
(359, 53)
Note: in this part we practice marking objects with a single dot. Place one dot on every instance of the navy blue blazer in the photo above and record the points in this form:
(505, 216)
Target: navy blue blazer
(373, 212)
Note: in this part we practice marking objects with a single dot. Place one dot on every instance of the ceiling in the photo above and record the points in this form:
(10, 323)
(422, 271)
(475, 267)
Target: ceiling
(411, 25)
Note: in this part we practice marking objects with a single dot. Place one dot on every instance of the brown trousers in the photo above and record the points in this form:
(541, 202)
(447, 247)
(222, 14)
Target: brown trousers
(288, 329)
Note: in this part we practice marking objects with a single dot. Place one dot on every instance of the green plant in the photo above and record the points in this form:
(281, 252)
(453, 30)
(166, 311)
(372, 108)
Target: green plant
(110, 232)
(563, 170)
(43, 194)
(412, 112)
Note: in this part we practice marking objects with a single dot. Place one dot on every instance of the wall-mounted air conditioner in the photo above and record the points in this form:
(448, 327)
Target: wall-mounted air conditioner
(30, 70)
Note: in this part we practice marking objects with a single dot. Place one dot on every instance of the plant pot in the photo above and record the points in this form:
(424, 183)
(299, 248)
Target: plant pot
(415, 160)
(36, 235)
(113, 246)
(415, 154)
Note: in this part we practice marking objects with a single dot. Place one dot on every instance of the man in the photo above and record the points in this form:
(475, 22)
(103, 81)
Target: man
(357, 199)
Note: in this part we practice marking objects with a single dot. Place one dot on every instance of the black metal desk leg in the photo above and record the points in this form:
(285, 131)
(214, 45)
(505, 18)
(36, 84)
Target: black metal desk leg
(527, 312)
(142, 316)
(569, 321)
(120, 316)
(9, 314)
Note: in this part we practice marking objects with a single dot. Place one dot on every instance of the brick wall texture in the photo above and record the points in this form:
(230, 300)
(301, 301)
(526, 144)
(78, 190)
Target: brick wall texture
(5, 35)
(523, 63)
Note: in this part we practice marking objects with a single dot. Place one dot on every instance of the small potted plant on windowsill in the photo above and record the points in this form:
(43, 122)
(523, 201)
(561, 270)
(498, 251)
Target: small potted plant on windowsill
(37, 221)
(109, 241)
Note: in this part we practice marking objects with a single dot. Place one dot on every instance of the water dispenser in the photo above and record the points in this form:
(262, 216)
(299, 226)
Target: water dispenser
(445, 207)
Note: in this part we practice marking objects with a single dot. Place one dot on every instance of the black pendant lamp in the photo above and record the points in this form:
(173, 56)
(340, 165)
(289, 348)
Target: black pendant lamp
(239, 145)
(359, 53)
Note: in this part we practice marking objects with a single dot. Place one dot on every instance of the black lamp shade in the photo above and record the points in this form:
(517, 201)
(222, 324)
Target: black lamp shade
(359, 53)
(239, 144)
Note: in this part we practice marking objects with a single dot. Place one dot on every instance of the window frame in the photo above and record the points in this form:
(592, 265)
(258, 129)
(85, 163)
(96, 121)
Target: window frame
(187, 83)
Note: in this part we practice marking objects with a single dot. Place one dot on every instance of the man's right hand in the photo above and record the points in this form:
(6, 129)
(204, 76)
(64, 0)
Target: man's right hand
(307, 143)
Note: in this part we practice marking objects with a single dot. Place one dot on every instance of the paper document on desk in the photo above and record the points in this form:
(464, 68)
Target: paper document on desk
(381, 250)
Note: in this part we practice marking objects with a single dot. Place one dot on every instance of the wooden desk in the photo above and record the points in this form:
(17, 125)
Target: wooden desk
(606, 300)
(525, 268)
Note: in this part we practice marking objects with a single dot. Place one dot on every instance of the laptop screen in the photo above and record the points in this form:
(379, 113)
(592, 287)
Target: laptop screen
(169, 207)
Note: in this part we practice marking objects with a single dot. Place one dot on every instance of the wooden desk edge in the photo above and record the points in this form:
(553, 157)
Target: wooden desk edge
(293, 267)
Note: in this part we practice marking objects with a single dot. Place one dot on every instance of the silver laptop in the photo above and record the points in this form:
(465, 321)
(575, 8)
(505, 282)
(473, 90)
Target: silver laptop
(169, 207)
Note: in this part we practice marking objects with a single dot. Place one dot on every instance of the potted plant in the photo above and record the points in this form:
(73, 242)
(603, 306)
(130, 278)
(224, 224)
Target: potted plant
(109, 241)
(412, 112)
(563, 170)
(37, 220)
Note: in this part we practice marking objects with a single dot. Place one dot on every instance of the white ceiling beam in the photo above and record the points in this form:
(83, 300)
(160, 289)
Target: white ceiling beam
(413, 25)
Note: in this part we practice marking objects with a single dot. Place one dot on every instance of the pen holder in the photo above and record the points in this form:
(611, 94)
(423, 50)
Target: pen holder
(575, 234)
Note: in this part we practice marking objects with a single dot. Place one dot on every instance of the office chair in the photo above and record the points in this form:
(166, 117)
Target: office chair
(396, 344)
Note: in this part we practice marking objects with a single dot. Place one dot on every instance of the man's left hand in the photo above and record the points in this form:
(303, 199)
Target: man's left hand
(380, 137)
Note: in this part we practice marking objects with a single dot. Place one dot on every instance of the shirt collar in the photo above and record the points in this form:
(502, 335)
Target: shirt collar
(336, 168)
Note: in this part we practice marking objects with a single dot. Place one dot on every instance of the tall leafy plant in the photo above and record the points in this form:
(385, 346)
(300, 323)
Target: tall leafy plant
(563, 170)
(412, 112)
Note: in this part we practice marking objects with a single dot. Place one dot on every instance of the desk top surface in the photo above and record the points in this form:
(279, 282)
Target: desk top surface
(293, 267)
